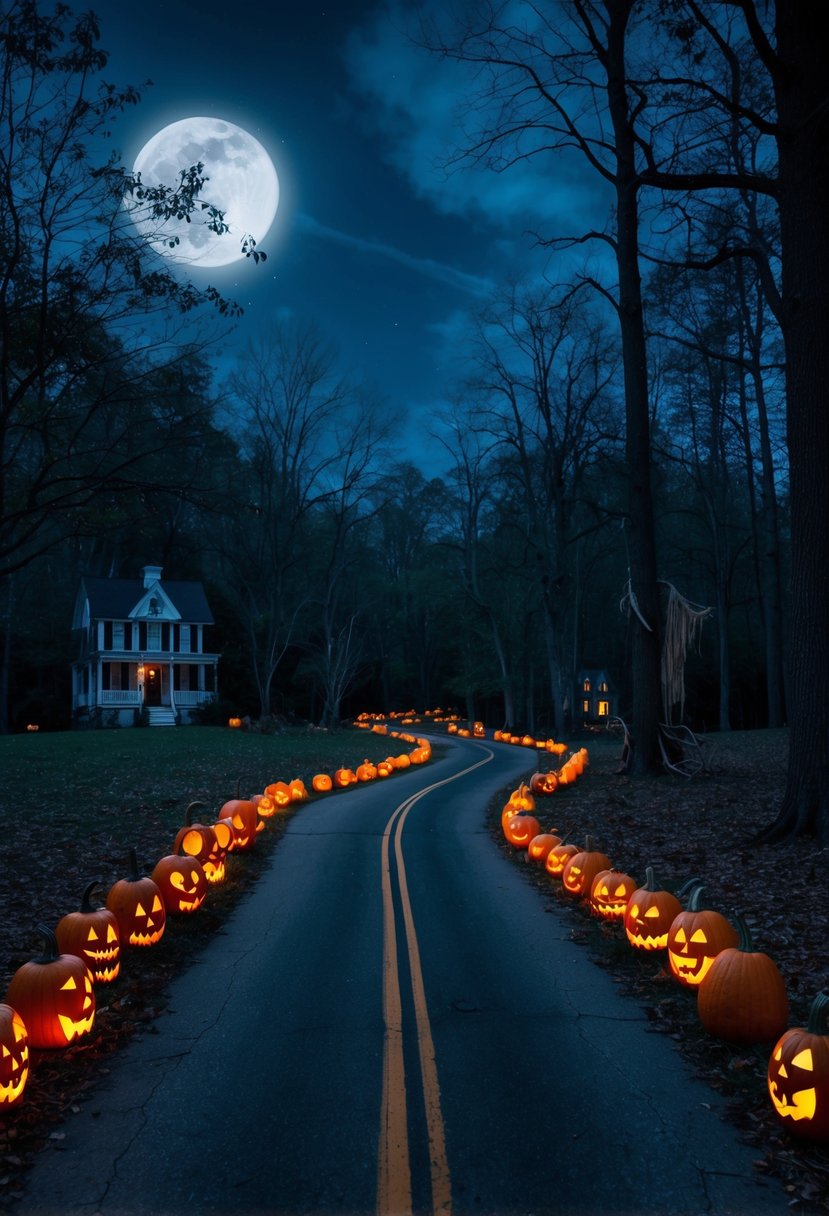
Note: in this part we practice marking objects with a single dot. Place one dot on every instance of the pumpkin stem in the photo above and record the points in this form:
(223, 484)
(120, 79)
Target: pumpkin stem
(50, 945)
(695, 898)
(86, 905)
(188, 814)
(650, 879)
(687, 886)
(132, 863)
(819, 1014)
(745, 943)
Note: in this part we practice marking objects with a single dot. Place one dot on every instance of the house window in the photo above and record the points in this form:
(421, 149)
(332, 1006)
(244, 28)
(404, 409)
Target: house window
(184, 639)
(105, 677)
(117, 635)
(107, 635)
(603, 686)
(586, 686)
(127, 635)
(586, 706)
(154, 635)
(604, 709)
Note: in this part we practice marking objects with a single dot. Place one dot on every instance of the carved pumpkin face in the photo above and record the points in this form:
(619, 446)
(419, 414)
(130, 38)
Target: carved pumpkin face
(366, 771)
(92, 935)
(298, 791)
(181, 881)
(321, 783)
(543, 784)
(53, 995)
(280, 792)
(648, 918)
(579, 872)
(540, 846)
(521, 829)
(243, 815)
(343, 777)
(610, 893)
(215, 864)
(798, 1074)
(138, 907)
(697, 936)
(14, 1056)
(558, 857)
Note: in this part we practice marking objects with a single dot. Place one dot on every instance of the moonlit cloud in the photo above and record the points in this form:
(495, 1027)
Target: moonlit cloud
(418, 103)
(472, 284)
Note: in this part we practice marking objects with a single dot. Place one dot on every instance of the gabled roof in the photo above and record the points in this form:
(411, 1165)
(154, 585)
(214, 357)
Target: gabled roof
(115, 598)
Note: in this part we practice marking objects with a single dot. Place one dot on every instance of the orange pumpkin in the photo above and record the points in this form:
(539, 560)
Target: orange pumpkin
(14, 1057)
(243, 815)
(540, 846)
(743, 999)
(53, 995)
(366, 771)
(610, 893)
(542, 784)
(521, 828)
(321, 783)
(138, 907)
(92, 934)
(558, 857)
(579, 872)
(696, 937)
(649, 914)
(798, 1074)
(181, 881)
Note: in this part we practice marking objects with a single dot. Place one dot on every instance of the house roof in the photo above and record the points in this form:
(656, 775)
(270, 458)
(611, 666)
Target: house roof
(115, 598)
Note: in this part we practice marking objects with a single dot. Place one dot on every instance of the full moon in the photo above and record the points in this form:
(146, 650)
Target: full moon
(242, 183)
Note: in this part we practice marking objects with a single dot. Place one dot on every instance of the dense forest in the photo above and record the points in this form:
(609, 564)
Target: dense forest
(627, 448)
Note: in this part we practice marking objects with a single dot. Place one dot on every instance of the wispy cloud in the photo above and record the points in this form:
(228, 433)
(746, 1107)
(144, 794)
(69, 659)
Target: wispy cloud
(470, 283)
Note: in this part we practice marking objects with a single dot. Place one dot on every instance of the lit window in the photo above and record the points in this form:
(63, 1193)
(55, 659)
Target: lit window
(586, 706)
(603, 686)
(586, 686)
(604, 709)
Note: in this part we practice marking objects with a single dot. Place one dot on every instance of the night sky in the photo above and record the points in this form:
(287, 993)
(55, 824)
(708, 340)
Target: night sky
(375, 241)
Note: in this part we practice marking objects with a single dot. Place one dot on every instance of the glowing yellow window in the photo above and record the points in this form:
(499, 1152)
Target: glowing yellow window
(586, 686)
(586, 706)
(604, 709)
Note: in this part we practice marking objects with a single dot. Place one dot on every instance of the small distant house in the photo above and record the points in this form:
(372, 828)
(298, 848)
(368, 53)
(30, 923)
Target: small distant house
(596, 700)
(140, 644)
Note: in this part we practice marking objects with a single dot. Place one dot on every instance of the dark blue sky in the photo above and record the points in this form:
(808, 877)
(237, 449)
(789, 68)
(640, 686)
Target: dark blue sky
(373, 240)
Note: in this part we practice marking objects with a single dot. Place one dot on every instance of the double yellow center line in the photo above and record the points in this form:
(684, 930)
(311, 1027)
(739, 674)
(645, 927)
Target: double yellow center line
(394, 1174)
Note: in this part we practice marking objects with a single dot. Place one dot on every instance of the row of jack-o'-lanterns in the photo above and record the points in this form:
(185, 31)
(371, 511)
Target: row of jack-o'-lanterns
(741, 994)
(50, 1001)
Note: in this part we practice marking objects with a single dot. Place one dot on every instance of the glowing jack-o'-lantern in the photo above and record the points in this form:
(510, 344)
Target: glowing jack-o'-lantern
(92, 934)
(696, 937)
(243, 815)
(215, 864)
(543, 784)
(478, 730)
(344, 777)
(579, 872)
(53, 995)
(181, 881)
(743, 996)
(266, 808)
(298, 791)
(521, 828)
(649, 914)
(540, 846)
(610, 893)
(798, 1074)
(558, 857)
(366, 771)
(321, 783)
(234, 723)
(14, 1057)
(280, 792)
(385, 768)
(195, 839)
(138, 907)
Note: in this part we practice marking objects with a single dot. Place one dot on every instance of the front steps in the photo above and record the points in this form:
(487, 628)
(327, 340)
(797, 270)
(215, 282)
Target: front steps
(161, 715)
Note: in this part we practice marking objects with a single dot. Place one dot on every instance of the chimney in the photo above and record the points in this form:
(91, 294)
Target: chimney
(152, 575)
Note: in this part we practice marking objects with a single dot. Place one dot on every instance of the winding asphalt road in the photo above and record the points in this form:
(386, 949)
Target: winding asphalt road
(394, 1022)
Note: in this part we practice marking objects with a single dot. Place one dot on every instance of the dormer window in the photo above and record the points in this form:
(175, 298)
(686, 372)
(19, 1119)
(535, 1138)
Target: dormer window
(154, 606)
(586, 686)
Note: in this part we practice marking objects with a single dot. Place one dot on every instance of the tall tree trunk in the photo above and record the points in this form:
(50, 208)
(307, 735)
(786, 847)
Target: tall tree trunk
(646, 632)
(768, 531)
(803, 147)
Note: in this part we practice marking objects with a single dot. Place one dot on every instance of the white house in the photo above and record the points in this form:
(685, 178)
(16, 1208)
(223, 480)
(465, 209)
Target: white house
(140, 644)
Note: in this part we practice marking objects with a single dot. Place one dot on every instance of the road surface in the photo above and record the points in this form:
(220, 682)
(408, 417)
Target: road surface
(394, 1022)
